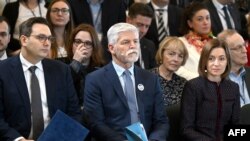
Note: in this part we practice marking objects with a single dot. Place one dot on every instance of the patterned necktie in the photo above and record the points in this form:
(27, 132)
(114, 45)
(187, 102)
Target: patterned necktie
(161, 28)
(131, 96)
(36, 105)
(227, 18)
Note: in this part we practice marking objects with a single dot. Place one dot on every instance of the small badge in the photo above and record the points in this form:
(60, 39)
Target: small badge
(140, 87)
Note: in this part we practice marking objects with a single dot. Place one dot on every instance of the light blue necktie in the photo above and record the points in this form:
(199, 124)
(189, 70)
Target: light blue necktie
(130, 95)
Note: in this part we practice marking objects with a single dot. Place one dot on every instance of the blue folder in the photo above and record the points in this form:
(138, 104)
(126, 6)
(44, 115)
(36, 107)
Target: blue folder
(136, 132)
(63, 128)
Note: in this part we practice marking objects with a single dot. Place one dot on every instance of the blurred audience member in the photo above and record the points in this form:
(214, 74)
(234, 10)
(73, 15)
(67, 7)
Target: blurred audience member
(239, 73)
(210, 92)
(170, 56)
(141, 15)
(59, 16)
(85, 53)
(16, 13)
(3, 3)
(166, 21)
(196, 27)
(101, 14)
(4, 37)
(224, 15)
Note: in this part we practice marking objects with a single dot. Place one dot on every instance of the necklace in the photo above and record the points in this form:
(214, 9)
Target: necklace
(32, 10)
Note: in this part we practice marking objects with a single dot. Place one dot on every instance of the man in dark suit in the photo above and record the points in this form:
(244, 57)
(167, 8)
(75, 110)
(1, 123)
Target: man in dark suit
(218, 17)
(172, 20)
(4, 37)
(107, 101)
(141, 15)
(19, 86)
(239, 73)
(101, 14)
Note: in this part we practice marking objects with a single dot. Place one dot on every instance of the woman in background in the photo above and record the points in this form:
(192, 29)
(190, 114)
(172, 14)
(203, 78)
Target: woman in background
(210, 92)
(196, 28)
(85, 53)
(171, 54)
(59, 16)
(18, 12)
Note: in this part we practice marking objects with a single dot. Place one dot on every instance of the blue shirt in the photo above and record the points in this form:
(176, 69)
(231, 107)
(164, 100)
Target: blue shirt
(96, 11)
(240, 80)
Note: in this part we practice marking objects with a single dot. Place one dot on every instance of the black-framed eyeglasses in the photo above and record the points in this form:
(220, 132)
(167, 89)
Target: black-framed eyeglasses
(87, 44)
(64, 11)
(42, 38)
(239, 48)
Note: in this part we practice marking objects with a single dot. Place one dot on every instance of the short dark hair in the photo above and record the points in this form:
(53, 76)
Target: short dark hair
(26, 27)
(140, 9)
(3, 19)
(210, 45)
(188, 14)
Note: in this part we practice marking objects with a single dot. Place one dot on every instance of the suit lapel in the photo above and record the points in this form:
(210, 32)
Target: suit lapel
(18, 76)
(139, 89)
(50, 84)
(114, 80)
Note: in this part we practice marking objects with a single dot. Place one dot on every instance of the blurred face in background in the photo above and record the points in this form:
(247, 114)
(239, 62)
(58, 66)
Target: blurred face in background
(238, 50)
(60, 14)
(216, 64)
(201, 23)
(142, 23)
(161, 3)
(4, 36)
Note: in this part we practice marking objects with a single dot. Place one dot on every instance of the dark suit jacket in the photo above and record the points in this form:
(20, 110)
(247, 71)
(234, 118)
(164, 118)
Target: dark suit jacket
(113, 11)
(247, 79)
(148, 52)
(201, 96)
(107, 109)
(215, 19)
(15, 113)
(174, 20)
(11, 11)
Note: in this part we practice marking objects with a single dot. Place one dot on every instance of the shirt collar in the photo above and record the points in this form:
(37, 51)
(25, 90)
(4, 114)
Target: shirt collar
(119, 70)
(157, 7)
(99, 2)
(4, 56)
(26, 64)
(241, 74)
(218, 5)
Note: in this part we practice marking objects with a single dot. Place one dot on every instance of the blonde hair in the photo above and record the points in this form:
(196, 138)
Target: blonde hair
(169, 42)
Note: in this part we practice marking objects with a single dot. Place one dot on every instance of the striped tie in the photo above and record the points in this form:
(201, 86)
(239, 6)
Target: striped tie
(161, 29)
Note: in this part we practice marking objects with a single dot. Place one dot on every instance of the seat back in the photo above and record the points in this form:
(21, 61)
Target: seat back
(245, 114)
(173, 113)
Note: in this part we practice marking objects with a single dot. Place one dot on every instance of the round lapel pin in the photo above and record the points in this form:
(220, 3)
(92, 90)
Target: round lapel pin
(140, 87)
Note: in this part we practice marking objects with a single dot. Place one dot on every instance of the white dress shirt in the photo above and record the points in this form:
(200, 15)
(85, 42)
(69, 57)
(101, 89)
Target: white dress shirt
(40, 75)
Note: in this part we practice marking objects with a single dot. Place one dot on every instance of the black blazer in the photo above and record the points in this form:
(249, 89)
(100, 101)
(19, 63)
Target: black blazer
(174, 20)
(215, 19)
(201, 96)
(113, 11)
(11, 11)
(15, 113)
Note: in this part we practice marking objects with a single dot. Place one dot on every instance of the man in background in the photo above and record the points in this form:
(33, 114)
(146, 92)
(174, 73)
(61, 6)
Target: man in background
(4, 37)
